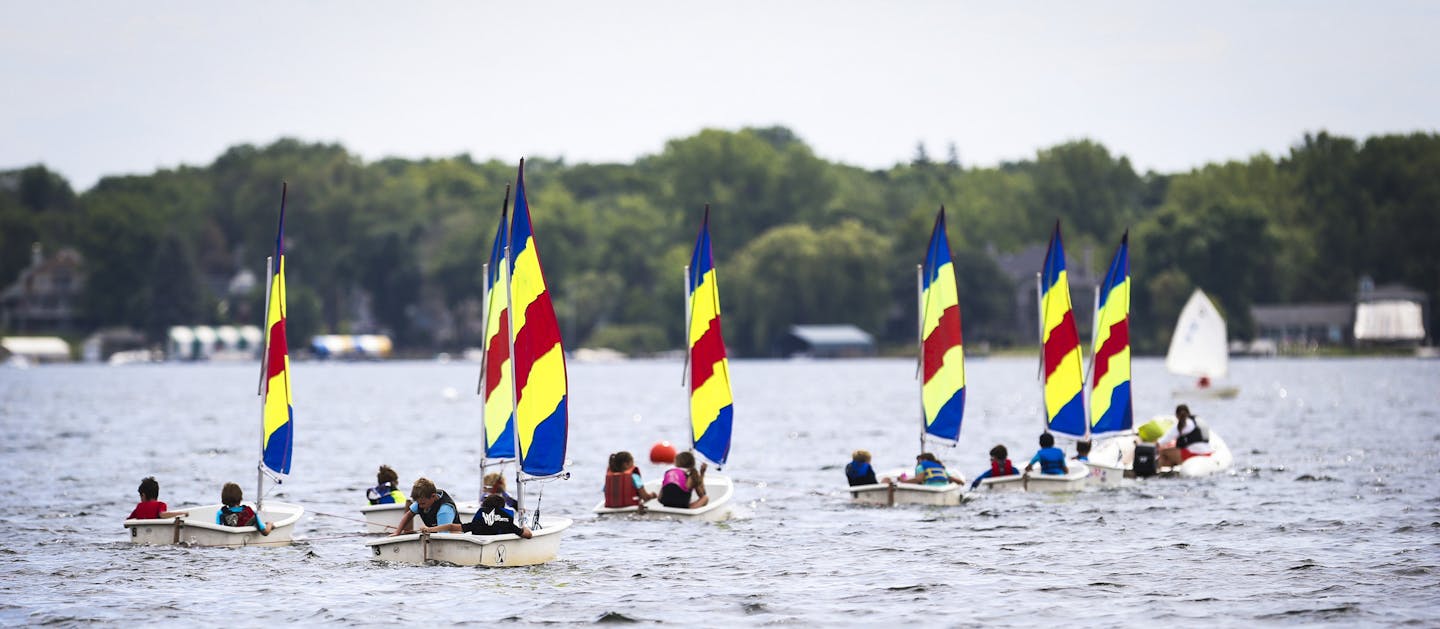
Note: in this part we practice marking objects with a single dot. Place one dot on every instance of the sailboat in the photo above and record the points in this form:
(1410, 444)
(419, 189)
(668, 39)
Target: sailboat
(707, 374)
(536, 421)
(941, 371)
(1198, 349)
(1062, 380)
(197, 526)
(1112, 405)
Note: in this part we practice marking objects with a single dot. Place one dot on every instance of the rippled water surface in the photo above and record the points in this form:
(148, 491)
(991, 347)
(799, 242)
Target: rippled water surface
(1330, 516)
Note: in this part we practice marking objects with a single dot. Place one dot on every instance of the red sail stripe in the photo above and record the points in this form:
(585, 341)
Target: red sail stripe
(1118, 340)
(708, 350)
(275, 361)
(1062, 341)
(541, 332)
(499, 350)
(945, 336)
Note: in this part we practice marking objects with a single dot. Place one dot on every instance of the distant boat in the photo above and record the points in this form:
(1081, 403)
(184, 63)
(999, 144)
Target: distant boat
(1061, 375)
(707, 375)
(536, 421)
(941, 374)
(1198, 349)
(277, 424)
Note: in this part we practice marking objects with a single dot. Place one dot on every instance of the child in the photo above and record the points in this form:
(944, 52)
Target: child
(858, 471)
(150, 507)
(681, 480)
(495, 486)
(623, 486)
(235, 514)
(1050, 458)
(433, 505)
(387, 488)
(493, 519)
(930, 471)
(1082, 451)
(999, 466)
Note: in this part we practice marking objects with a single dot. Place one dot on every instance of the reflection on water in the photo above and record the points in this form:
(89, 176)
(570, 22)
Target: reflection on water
(1330, 515)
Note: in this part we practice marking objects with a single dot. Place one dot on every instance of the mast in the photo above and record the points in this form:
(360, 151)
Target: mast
(514, 392)
(260, 388)
(480, 387)
(920, 344)
(685, 371)
(1040, 370)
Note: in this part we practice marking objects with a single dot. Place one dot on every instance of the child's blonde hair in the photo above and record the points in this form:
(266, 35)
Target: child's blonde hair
(860, 456)
(494, 483)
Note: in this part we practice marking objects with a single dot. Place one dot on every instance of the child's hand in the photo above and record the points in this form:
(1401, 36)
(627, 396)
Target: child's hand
(703, 467)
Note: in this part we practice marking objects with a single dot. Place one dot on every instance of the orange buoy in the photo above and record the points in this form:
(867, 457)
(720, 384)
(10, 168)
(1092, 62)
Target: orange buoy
(662, 452)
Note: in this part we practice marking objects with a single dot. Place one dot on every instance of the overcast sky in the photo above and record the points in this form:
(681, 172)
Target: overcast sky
(97, 88)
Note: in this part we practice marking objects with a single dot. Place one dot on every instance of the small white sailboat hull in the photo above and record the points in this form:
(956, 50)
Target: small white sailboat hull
(720, 489)
(386, 518)
(464, 549)
(1033, 481)
(1116, 455)
(1207, 393)
(898, 493)
(198, 528)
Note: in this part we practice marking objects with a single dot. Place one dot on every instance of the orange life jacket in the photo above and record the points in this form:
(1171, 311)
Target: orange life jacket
(620, 489)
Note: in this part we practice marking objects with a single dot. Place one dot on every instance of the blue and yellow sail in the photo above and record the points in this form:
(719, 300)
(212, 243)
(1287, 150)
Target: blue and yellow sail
(712, 409)
(496, 390)
(277, 415)
(942, 356)
(542, 418)
(1060, 346)
(1111, 407)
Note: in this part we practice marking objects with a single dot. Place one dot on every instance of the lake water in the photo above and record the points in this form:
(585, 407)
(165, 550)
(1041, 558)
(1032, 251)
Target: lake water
(1330, 516)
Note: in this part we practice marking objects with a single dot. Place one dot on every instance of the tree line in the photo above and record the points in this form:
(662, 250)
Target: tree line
(396, 245)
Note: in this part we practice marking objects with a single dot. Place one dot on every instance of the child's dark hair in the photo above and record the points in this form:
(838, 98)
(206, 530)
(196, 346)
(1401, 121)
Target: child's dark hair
(1082, 447)
(927, 456)
(387, 475)
(685, 460)
(231, 495)
(999, 453)
(493, 502)
(1046, 440)
(621, 461)
(149, 488)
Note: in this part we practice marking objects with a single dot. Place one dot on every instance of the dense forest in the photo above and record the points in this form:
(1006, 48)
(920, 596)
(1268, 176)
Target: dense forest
(396, 245)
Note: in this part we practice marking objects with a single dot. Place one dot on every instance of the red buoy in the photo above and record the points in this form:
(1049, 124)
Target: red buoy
(662, 452)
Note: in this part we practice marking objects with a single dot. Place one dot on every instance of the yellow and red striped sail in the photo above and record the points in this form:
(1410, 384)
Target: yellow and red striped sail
(1111, 407)
(495, 349)
(942, 354)
(542, 418)
(712, 409)
(1060, 346)
(277, 415)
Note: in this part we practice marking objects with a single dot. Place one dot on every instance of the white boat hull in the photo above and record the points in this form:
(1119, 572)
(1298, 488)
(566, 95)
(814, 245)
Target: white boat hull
(1033, 481)
(464, 549)
(720, 489)
(198, 528)
(1116, 455)
(1208, 393)
(386, 518)
(898, 493)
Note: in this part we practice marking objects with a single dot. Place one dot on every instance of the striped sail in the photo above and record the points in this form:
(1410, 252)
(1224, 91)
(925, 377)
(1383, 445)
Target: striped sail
(541, 415)
(277, 415)
(942, 354)
(1111, 407)
(495, 348)
(712, 408)
(1060, 346)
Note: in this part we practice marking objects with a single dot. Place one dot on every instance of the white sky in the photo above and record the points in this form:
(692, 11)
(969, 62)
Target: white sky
(100, 87)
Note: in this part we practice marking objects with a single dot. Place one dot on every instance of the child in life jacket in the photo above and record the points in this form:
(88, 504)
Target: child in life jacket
(999, 466)
(930, 471)
(492, 519)
(232, 513)
(387, 488)
(858, 471)
(150, 507)
(623, 486)
(681, 480)
(495, 486)
(1082, 451)
(1050, 458)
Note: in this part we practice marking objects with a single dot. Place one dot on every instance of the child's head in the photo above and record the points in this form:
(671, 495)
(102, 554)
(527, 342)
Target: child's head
(926, 456)
(1047, 440)
(149, 489)
(860, 456)
(493, 502)
(386, 475)
(1082, 448)
(231, 495)
(999, 453)
(423, 489)
(494, 483)
(621, 461)
(685, 460)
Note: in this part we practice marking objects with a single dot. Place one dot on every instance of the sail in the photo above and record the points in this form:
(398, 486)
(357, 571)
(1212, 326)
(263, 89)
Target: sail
(1060, 341)
(541, 416)
(712, 409)
(1197, 347)
(942, 357)
(1111, 407)
(495, 349)
(278, 416)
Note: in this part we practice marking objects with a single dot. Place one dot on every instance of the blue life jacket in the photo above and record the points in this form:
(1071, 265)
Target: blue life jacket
(384, 494)
(932, 473)
(860, 473)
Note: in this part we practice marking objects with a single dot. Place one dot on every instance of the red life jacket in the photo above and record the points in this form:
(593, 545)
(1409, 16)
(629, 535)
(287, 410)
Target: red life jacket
(620, 489)
(997, 470)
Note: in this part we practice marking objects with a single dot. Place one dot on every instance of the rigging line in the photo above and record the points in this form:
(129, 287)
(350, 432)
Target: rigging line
(343, 517)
